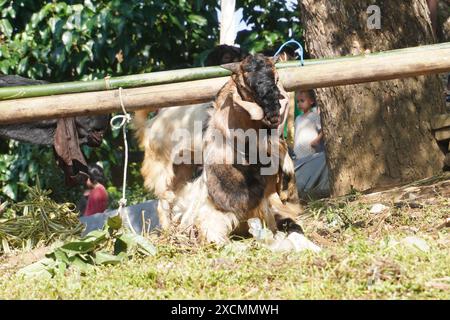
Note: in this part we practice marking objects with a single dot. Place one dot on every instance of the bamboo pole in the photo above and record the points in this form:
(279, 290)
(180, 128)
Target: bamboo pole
(354, 70)
(173, 76)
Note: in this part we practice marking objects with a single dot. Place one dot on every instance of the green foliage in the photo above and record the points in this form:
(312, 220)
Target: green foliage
(112, 245)
(272, 22)
(84, 39)
(23, 164)
(67, 40)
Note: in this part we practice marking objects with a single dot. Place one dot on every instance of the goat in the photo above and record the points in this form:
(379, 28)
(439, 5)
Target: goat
(225, 195)
(87, 130)
(161, 175)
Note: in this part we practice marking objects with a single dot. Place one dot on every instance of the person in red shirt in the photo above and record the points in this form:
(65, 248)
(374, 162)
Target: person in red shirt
(96, 194)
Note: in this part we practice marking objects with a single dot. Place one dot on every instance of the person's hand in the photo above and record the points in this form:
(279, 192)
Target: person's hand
(315, 143)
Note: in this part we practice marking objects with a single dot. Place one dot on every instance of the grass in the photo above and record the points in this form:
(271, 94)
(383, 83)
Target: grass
(362, 258)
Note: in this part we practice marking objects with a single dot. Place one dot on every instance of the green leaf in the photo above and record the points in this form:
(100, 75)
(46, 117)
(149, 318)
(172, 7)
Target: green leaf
(60, 255)
(121, 246)
(115, 223)
(89, 5)
(77, 247)
(106, 258)
(88, 48)
(77, 7)
(125, 243)
(176, 22)
(67, 39)
(40, 269)
(53, 22)
(80, 264)
(199, 20)
(145, 246)
(128, 241)
(95, 236)
(6, 28)
(10, 190)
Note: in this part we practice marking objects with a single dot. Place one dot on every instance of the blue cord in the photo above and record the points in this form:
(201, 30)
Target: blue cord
(299, 51)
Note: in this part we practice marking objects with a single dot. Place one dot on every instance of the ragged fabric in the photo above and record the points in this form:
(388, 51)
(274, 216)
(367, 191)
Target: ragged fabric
(68, 153)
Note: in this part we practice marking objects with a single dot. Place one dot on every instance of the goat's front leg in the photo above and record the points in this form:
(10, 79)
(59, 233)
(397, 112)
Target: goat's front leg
(284, 215)
(164, 214)
(215, 226)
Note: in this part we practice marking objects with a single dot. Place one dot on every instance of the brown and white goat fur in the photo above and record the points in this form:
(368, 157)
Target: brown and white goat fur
(226, 194)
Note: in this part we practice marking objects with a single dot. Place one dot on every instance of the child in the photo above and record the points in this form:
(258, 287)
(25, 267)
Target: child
(96, 194)
(311, 171)
(308, 137)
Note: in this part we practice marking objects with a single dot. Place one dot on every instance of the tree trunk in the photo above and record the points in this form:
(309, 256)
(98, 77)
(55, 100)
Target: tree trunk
(443, 21)
(376, 134)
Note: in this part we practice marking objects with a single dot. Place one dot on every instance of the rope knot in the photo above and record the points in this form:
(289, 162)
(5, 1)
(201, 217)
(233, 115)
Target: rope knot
(124, 118)
(122, 202)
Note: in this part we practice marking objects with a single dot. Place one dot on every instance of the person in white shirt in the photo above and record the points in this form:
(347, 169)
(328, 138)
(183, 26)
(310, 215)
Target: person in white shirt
(308, 138)
(311, 170)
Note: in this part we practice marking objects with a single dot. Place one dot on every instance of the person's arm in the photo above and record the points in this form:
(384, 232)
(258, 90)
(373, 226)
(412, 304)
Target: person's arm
(317, 140)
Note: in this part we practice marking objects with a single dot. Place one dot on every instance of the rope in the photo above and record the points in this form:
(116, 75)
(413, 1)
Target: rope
(124, 118)
(107, 82)
(299, 51)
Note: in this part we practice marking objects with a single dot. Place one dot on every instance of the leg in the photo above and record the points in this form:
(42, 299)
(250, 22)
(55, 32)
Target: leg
(284, 215)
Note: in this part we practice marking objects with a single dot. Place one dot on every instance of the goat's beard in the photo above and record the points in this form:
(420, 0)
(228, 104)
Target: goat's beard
(272, 115)
(270, 124)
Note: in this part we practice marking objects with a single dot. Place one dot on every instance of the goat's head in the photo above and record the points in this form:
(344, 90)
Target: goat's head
(257, 87)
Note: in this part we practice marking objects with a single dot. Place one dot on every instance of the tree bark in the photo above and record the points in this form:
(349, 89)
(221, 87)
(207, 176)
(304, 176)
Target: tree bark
(376, 134)
(443, 20)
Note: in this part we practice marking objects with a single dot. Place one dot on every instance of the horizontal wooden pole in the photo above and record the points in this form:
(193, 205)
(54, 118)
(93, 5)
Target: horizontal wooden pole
(442, 134)
(162, 77)
(360, 69)
(440, 121)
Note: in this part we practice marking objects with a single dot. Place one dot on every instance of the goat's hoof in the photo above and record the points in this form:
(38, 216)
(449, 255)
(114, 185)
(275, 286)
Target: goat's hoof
(289, 226)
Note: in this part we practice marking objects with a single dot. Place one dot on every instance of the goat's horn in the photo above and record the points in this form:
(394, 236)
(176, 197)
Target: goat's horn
(233, 67)
(253, 109)
(275, 59)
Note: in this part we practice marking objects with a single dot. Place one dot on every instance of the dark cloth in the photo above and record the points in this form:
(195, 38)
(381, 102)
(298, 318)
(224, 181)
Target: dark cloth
(68, 153)
(312, 176)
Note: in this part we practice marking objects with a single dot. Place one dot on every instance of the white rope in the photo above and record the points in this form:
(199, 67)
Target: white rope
(125, 119)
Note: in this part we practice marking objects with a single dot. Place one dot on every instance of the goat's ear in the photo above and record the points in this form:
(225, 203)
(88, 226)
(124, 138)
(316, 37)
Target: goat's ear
(233, 67)
(254, 110)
